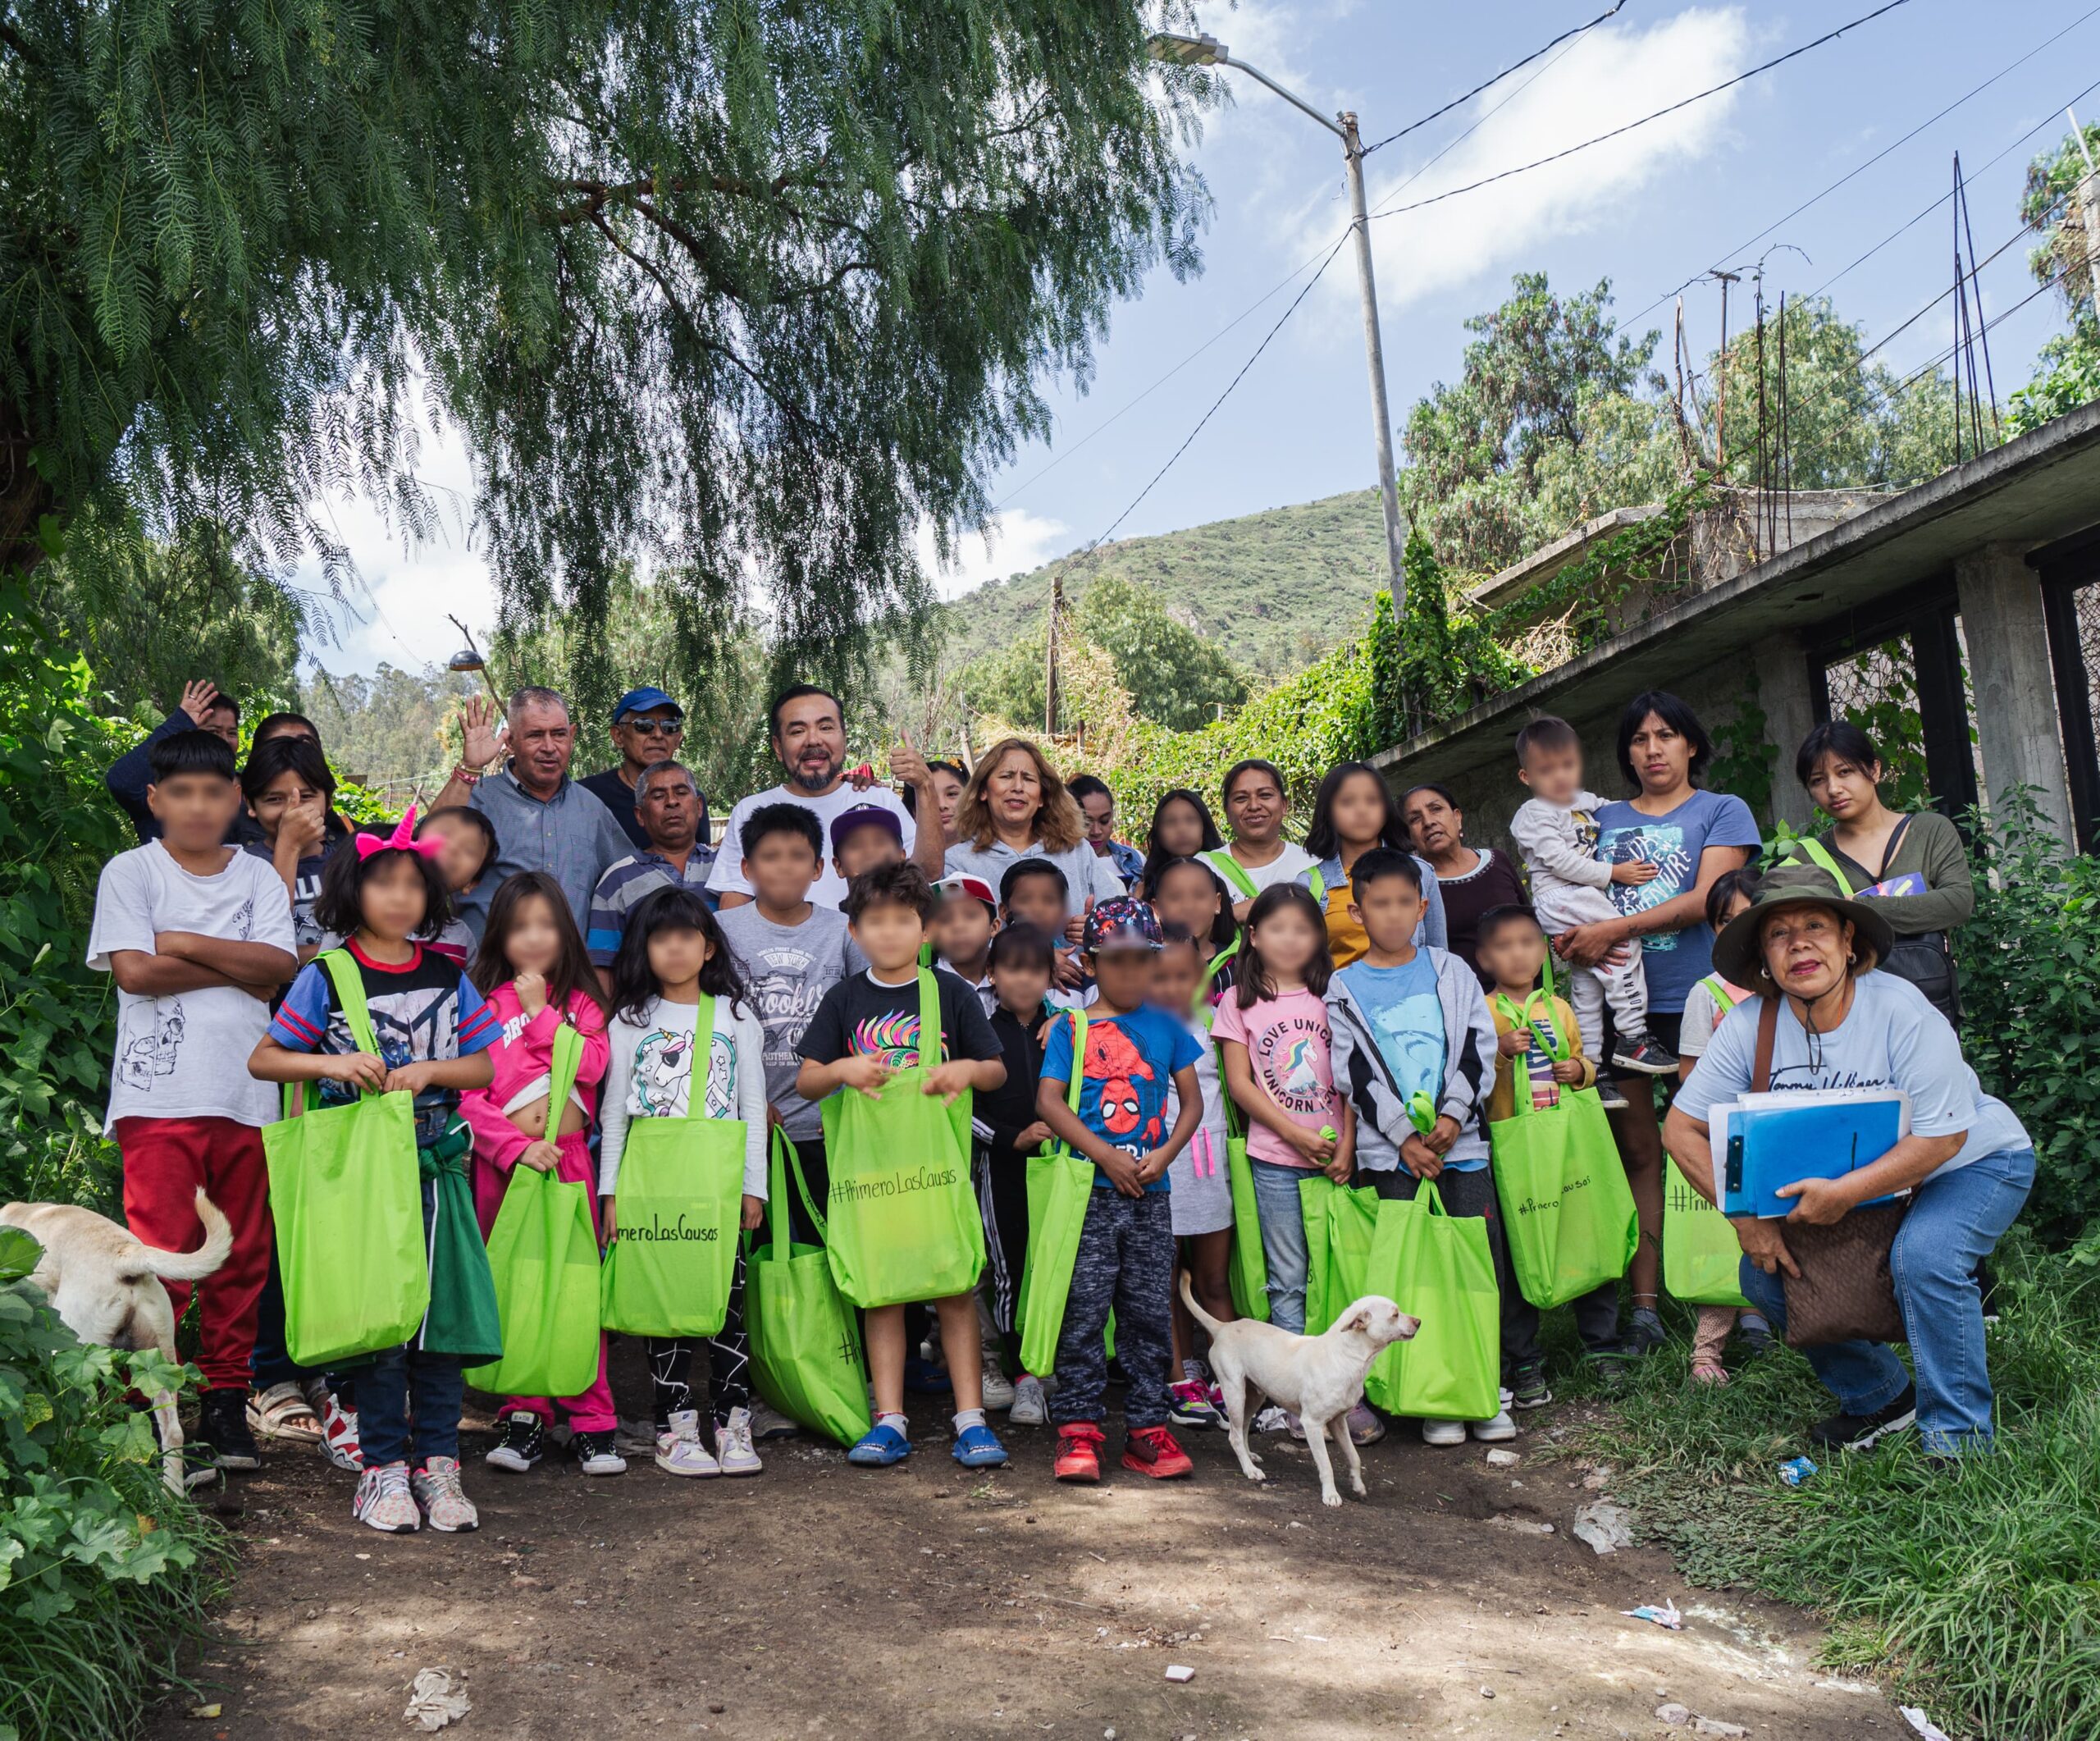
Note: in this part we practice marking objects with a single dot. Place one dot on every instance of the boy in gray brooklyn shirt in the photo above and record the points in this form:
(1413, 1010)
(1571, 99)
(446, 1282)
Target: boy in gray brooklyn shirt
(792, 951)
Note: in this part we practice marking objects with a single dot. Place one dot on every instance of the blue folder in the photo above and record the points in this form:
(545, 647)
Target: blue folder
(1808, 1136)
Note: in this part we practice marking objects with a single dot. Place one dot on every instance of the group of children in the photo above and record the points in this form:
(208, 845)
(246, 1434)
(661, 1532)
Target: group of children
(1183, 1022)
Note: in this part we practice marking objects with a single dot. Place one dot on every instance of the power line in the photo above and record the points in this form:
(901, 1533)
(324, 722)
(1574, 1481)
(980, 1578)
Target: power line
(1205, 418)
(1459, 102)
(1816, 198)
(1829, 36)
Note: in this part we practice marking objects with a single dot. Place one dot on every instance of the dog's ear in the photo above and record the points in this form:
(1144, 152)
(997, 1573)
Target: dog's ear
(1357, 1319)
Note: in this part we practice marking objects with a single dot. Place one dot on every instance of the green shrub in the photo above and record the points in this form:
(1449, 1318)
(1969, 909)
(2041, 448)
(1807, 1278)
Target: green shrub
(1976, 1593)
(2030, 988)
(102, 1569)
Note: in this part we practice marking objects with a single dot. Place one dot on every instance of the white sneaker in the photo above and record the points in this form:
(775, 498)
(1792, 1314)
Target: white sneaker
(445, 1506)
(1497, 1431)
(339, 1435)
(679, 1450)
(768, 1423)
(732, 1445)
(1030, 1407)
(1444, 1432)
(998, 1387)
(385, 1501)
(1273, 1420)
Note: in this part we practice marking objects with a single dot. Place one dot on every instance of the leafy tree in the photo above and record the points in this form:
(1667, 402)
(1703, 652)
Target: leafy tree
(2067, 369)
(1174, 676)
(1544, 418)
(736, 289)
(1850, 423)
(151, 615)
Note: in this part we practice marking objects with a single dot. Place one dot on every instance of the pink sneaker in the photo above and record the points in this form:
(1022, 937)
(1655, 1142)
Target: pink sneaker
(385, 1502)
(444, 1503)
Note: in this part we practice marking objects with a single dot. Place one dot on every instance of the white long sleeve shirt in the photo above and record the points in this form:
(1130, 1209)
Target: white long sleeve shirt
(649, 1073)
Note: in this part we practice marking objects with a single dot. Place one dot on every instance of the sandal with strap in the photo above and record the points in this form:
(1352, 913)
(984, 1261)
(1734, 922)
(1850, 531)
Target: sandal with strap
(1709, 1372)
(282, 1412)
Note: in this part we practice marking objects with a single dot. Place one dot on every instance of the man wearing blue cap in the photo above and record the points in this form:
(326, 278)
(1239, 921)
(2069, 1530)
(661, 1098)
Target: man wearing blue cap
(648, 727)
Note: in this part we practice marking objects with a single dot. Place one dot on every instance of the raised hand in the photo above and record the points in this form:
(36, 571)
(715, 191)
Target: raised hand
(482, 730)
(199, 696)
(906, 764)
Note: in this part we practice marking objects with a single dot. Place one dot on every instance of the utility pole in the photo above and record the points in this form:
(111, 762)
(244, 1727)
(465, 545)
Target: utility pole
(1050, 653)
(1207, 51)
(2089, 206)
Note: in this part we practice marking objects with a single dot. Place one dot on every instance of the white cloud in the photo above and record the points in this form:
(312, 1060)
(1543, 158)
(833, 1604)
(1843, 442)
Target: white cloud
(404, 589)
(1605, 79)
(1012, 543)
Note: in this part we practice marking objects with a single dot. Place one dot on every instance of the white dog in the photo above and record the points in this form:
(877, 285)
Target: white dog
(1320, 1379)
(104, 1284)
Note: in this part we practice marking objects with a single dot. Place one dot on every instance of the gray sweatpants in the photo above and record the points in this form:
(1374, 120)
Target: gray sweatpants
(1125, 1261)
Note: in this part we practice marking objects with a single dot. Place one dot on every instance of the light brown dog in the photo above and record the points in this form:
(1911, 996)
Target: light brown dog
(104, 1283)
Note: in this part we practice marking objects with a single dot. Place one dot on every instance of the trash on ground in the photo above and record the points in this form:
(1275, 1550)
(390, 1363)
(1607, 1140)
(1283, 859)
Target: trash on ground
(203, 1713)
(1607, 1527)
(1520, 1525)
(433, 1702)
(1666, 1615)
(1499, 1458)
(1923, 1723)
(1794, 1470)
(1180, 1671)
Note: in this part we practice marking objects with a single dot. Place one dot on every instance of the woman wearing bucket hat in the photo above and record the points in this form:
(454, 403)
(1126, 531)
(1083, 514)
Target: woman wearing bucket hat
(1967, 1162)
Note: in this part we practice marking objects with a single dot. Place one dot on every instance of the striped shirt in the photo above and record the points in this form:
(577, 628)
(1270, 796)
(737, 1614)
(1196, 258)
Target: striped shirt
(629, 882)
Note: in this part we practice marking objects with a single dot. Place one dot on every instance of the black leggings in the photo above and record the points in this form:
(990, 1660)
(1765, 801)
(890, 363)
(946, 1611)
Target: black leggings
(728, 1364)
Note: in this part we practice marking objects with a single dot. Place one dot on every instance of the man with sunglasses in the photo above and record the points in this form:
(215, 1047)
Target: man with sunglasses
(648, 727)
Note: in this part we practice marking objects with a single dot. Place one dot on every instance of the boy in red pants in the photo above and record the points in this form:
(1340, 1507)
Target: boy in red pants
(198, 937)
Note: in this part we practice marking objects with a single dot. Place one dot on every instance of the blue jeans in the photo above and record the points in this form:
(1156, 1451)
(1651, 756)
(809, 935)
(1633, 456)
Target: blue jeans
(405, 1381)
(1954, 1220)
(1283, 1240)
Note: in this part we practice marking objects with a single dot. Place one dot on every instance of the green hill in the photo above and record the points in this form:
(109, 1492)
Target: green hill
(1276, 590)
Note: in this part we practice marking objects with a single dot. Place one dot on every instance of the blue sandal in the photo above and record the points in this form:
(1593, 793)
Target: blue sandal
(978, 1447)
(881, 1446)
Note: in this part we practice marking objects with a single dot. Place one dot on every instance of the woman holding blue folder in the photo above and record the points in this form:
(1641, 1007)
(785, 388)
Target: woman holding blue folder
(1839, 1024)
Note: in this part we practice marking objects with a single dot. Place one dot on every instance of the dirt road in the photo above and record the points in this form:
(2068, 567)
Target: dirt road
(923, 1601)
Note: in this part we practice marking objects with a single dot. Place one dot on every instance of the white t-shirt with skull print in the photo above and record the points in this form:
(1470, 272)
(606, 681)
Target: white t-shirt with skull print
(185, 1055)
(650, 1075)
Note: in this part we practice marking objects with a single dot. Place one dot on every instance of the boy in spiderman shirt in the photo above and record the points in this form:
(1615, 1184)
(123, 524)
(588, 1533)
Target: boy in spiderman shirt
(1131, 1054)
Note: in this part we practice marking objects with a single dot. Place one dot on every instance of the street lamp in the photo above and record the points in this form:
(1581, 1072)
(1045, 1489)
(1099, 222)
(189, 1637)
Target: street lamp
(1207, 51)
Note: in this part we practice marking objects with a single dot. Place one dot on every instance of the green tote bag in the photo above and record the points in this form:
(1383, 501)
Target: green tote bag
(806, 1358)
(543, 1253)
(1060, 1188)
(347, 1207)
(1437, 1268)
(1567, 1211)
(1339, 1220)
(1702, 1258)
(1247, 1273)
(904, 1223)
(678, 1207)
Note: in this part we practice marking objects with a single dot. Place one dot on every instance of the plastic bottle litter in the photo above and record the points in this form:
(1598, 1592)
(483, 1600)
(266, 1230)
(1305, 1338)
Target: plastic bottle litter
(1794, 1470)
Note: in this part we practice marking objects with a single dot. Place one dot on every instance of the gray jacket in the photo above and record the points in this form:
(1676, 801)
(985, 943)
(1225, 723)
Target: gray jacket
(1361, 1071)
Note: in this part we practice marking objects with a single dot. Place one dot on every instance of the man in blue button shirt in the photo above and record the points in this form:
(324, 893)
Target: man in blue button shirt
(544, 820)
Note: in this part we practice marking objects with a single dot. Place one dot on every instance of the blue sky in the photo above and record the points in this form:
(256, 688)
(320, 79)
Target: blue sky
(1646, 211)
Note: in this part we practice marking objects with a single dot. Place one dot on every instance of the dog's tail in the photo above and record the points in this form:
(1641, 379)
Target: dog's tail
(1189, 1299)
(192, 1266)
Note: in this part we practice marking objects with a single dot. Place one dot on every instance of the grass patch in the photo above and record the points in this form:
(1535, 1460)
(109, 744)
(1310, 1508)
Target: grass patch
(1975, 1593)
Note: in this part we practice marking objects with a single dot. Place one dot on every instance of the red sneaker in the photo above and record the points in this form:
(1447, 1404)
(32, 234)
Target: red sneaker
(1152, 1450)
(1079, 1452)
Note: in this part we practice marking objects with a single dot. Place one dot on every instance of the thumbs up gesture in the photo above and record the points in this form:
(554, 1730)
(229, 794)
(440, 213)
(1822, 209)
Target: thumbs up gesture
(906, 764)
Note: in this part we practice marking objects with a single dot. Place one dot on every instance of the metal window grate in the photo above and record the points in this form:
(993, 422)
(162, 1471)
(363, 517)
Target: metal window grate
(1877, 689)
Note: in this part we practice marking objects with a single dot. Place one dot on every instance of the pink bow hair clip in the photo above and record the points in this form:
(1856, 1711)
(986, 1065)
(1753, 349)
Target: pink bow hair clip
(403, 839)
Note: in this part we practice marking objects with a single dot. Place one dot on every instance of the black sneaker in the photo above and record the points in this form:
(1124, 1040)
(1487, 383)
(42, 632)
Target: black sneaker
(222, 1425)
(1527, 1385)
(1759, 1343)
(1643, 1052)
(597, 1453)
(1608, 1362)
(1864, 1432)
(1610, 1096)
(1644, 1335)
(524, 1443)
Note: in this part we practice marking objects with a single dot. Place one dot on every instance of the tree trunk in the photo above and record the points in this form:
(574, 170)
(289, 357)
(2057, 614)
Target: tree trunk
(25, 496)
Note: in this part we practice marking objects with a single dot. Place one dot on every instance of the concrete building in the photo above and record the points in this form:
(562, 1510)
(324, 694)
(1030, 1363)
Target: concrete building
(1974, 598)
